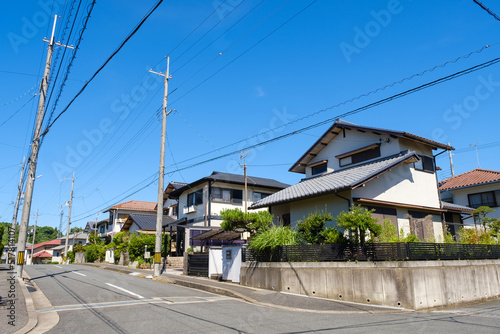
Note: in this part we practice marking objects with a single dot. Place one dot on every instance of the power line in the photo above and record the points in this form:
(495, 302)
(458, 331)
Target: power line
(61, 87)
(22, 95)
(122, 44)
(487, 9)
(18, 110)
(329, 120)
(349, 100)
(194, 30)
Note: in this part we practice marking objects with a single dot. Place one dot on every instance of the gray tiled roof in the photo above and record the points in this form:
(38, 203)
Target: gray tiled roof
(336, 181)
(457, 207)
(148, 221)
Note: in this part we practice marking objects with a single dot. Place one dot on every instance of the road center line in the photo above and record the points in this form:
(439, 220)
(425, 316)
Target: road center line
(76, 272)
(58, 267)
(125, 290)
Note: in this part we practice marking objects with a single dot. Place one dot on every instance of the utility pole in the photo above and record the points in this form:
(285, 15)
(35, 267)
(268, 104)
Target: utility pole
(159, 209)
(18, 200)
(477, 155)
(59, 233)
(34, 235)
(69, 219)
(451, 162)
(28, 195)
(243, 156)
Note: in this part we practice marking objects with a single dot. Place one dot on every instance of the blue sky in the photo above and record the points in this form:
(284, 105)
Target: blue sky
(250, 68)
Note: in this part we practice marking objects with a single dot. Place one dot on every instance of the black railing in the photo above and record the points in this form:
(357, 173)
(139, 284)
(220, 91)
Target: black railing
(374, 252)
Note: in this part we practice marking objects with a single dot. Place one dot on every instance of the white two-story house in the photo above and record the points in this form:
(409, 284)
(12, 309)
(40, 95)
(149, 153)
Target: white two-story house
(390, 171)
(201, 202)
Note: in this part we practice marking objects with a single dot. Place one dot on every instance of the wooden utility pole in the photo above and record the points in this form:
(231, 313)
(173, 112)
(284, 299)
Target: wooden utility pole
(18, 200)
(65, 259)
(159, 209)
(34, 235)
(243, 156)
(35, 146)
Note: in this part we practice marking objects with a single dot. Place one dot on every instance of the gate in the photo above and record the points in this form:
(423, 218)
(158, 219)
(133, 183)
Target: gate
(197, 265)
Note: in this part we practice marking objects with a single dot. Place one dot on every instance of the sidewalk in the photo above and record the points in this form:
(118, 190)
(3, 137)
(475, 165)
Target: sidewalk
(12, 302)
(262, 297)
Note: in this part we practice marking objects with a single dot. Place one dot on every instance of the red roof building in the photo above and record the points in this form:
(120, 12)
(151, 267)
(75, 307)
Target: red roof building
(474, 177)
(478, 187)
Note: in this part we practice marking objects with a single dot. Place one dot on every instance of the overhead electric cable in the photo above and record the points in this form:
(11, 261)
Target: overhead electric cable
(329, 120)
(122, 44)
(487, 9)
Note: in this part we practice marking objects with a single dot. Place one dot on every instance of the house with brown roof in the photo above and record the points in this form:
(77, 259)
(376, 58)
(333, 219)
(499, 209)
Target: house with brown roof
(475, 188)
(391, 172)
(119, 213)
(43, 251)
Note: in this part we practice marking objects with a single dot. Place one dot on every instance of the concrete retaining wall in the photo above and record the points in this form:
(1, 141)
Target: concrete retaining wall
(412, 285)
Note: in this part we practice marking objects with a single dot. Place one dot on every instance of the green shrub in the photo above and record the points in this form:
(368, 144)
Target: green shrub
(389, 232)
(310, 230)
(476, 237)
(137, 243)
(333, 236)
(54, 262)
(273, 237)
(94, 252)
(78, 248)
(71, 256)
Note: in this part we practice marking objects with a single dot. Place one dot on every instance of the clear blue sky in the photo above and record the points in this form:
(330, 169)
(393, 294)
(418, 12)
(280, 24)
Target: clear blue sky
(231, 82)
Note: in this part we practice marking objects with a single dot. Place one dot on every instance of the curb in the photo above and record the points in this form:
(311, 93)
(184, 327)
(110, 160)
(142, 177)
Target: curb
(30, 308)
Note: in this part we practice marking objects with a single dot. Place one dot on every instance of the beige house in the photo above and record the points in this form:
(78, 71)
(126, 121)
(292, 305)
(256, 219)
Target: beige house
(392, 172)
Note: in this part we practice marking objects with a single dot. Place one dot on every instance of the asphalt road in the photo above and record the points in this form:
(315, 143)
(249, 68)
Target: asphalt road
(91, 300)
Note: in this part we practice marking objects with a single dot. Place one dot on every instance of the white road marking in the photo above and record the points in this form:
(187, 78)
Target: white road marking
(125, 290)
(58, 267)
(76, 272)
(134, 274)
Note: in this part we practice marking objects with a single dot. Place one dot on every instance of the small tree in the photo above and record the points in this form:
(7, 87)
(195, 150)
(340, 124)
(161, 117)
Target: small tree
(121, 242)
(389, 232)
(310, 230)
(251, 222)
(480, 215)
(359, 221)
(137, 245)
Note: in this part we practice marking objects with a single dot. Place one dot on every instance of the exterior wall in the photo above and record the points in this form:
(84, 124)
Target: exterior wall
(352, 141)
(301, 209)
(197, 218)
(404, 185)
(278, 211)
(200, 209)
(460, 196)
(411, 285)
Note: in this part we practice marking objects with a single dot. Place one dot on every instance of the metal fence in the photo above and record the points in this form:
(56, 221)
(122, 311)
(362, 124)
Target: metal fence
(374, 252)
(197, 265)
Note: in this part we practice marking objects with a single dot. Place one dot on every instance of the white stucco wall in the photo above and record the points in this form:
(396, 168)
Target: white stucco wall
(404, 185)
(301, 209)
(460, 195)
(352, 141)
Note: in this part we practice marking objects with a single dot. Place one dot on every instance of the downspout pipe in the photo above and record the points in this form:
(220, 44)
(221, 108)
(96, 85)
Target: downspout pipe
(209, 199)
(347, 199)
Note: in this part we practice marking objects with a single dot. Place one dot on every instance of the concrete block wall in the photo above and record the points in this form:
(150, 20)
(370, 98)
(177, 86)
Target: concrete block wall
(412, 285)
(175, 262)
